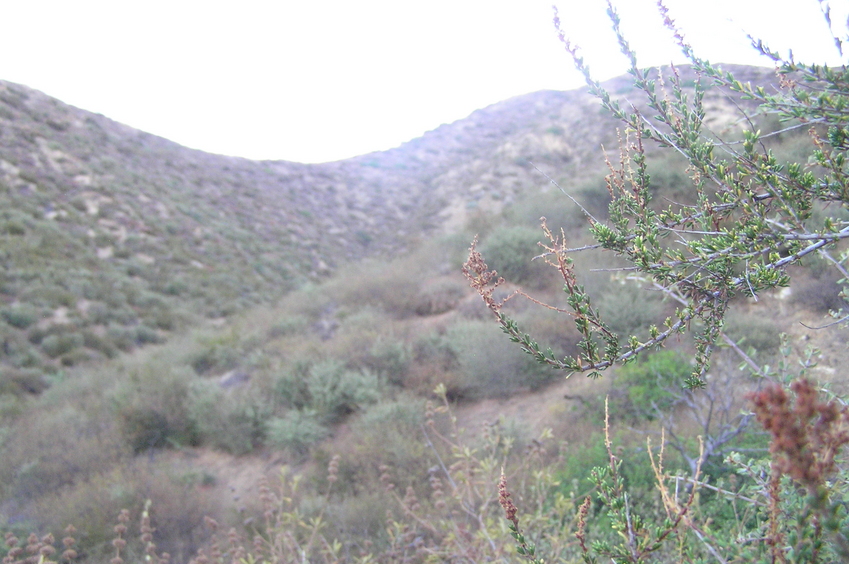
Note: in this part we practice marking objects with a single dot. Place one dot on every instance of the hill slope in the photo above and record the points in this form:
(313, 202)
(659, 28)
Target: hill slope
(111, 237)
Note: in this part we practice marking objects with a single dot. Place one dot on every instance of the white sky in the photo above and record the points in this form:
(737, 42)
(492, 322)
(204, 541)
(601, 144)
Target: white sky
(314, 81)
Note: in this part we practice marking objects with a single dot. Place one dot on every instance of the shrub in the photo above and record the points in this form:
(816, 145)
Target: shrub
(335, 391)
(147, 336)
(328, 389)
(439, 296)
(389, 358)
(628, 309)
(219, 353)
(747, 220)
(151, 405)
(387, 433)
(739, 248)
(819, 294)
(99, 343)
(296, 431)
(20, 316)
(510, 249)
(486, 366)
(754, 330)
(124, 338)
(289, 325)
(177, 509)
(558, 210)
(648, 387)
(18, 352)
(59, 344)
(56, 446)
(22, 380)
(232, 421)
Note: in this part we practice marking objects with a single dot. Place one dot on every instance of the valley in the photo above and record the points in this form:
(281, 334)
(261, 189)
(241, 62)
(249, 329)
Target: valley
(182, 328)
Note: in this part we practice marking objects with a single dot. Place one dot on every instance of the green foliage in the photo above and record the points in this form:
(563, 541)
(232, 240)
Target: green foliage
(629, 309)
(59, 344)
(20, 316)
(745, 220)
(328, 388)
(230, 420)
(390, 358)
(439, 296)
(288, 326)
(510, 250)
(217, 354)
(821, 292)
(296, 431)
(387, 433)
(755, 332)
(484, 364)
(647, 386)
(409, 484)
(152, 406)
(335, 391)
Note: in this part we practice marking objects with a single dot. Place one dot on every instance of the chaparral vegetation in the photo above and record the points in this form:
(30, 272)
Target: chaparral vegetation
(694, 269)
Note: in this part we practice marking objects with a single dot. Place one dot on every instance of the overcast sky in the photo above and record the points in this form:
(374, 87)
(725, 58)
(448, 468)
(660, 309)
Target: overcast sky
(314, 81)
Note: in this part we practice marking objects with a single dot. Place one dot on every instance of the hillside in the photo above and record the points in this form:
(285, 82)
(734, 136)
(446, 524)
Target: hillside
(112, 238)
(297, 320)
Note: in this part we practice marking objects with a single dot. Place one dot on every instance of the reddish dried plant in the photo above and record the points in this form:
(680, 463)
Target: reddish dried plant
(806, 436)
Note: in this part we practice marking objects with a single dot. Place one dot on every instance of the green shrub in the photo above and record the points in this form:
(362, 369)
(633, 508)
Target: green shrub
(124, 338)
(289, 325)
(819, 294)
(390, 358)
(232, 421)
(594, 197)
(145, 428)
(13, 227)
(629, 309)
(509, 251)
(648, 387)
(22, 381)
(21, 315)
(355, 331)
(387, 433)
(147, 335)
(328, 389)
(670, 181)
(388, 287)
(93, 505)
(151, 405)
(17, 351)
(486, 366)
(76, 357)
(575, 474)
(290, 386)
(57, 445)
(296, 431)
(62, 343)
(219, 353)
(753, 330)
(335, 391)
(101, 344)
(559, 212)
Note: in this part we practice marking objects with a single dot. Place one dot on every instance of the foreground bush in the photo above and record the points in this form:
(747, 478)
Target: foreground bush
(752, 217)
(749, 217)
